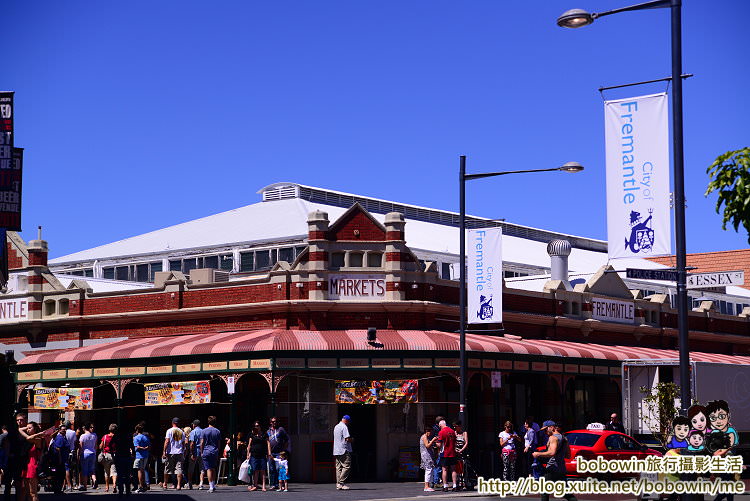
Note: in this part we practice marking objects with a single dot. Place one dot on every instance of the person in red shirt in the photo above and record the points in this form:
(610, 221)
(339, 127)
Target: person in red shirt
(447, 440)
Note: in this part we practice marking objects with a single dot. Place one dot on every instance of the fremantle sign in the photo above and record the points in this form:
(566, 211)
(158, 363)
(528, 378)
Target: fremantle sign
(609, 310)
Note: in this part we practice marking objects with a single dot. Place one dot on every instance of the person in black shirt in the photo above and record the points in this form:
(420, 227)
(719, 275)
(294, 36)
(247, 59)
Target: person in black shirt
(614, 424)
(279, 440)
(259, 452)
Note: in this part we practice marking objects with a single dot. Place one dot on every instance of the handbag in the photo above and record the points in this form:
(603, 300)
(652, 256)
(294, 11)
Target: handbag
(100, 458)
(245, 473)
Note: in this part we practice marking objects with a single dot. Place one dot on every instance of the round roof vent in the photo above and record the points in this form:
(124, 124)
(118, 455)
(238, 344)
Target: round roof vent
(559, 247)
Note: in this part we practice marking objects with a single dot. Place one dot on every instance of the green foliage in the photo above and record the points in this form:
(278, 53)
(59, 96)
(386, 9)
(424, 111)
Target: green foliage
(730, 177)
(659, 409)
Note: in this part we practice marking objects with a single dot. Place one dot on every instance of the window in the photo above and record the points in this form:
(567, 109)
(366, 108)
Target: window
(141, 272)
(445, 271)
(614, 443)
(374, 260)
(226, 262)
(175, 265)
(262, 260)
(188, 265)
(299, 250)
(49, 308)
(247, 261)
(286, 254)
(109, 273)
(122, 273)
(355, 260)
(211, 262)
(337, 260)
(155, 267)
(88, 272)
(63, 307)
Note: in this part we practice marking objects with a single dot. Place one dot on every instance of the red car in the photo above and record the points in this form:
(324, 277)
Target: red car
(590, 444)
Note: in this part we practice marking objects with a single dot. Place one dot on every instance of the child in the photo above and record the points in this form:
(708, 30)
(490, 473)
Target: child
(696, 441)
(282, 466)
(680, 429)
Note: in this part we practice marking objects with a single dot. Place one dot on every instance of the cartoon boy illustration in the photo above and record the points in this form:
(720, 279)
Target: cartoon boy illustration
(680, 433)
(696, 439)
(718, 415)
(698, 418)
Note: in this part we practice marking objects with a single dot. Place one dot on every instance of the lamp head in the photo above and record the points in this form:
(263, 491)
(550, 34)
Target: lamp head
(572, 167)
(575, 18)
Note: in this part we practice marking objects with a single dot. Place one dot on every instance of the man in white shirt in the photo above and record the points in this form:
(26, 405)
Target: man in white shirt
(342, 451)
(173, 456)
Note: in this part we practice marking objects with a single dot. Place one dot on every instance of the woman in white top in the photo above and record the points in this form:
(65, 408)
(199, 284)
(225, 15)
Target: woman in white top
(508, 447)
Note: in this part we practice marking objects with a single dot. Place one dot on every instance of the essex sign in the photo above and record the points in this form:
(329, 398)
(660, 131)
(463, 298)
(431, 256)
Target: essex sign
(357, 287)
(716, 279)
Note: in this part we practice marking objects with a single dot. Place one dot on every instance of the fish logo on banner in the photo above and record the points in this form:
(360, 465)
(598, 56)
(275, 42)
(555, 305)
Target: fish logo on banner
(637, 153)
(485, 282)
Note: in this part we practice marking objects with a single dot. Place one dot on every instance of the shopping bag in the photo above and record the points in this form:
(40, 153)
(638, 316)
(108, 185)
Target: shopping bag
(245, 474)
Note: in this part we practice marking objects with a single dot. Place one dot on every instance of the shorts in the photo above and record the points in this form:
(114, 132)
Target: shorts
(210, 460)
(258, 464)
(88, 463)
(196, 464)
(140, 463)
(174, 464)
(449, 461)
(108, 464)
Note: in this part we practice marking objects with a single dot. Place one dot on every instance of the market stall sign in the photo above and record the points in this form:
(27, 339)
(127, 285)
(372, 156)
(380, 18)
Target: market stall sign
(377, 392)
(178, 393)
(64, 398)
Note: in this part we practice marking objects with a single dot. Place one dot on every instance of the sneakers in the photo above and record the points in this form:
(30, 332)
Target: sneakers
(338, 487)
(81, 487)
(429, 489)
(344, 487)
(212, 489)
(200, 487)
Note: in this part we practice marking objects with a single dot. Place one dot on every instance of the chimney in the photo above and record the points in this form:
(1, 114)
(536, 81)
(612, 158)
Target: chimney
(559, 250)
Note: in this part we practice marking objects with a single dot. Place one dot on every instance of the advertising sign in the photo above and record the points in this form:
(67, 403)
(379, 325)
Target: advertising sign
(610, 310)
(10, 168)
(357, 287)
(485, 275)
(637, 157)
(377, 392)
(64, 398)
(188, 392)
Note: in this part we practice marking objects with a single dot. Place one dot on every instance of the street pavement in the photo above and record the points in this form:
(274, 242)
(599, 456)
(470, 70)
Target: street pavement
(392, 491)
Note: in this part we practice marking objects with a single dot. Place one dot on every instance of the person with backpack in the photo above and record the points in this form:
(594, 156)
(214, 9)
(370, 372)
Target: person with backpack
(107, 459)
(557, 451)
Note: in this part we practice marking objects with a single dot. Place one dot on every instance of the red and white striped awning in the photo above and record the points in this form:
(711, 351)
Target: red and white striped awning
(278, 341)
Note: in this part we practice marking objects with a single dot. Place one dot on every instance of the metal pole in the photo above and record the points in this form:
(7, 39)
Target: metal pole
(232, 441)
(679, 207)
(462, 291)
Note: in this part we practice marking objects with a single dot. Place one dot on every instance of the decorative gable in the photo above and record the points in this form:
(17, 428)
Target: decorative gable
(606, 282)
(356, 224)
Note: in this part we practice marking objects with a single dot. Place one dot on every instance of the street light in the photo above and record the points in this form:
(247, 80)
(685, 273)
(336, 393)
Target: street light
(576, 18)
(571, 167)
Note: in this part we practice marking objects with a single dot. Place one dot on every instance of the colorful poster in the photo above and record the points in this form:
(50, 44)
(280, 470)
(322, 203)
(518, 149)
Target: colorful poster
(64, 398)
(377, 392)
(11, 160)
(187, 392)
(484, 261)
(637, 157)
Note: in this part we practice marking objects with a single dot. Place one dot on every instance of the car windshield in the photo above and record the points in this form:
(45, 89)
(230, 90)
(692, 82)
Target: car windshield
(582, 439)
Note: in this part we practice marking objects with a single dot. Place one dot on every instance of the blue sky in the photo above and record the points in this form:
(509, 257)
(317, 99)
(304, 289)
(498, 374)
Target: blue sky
(138, 115)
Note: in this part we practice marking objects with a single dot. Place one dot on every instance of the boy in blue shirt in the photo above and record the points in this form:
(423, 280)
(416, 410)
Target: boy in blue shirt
(142, 445)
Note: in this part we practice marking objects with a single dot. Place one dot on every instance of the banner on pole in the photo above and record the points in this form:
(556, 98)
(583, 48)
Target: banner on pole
(485, 275)
(181, 393)
(11, 160)
(637, 155)
(64, 398)
(377, 392)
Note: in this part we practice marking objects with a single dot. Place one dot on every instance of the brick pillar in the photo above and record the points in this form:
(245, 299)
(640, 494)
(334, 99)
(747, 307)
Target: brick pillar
(394, 245)
(317, 228)
(38, 251)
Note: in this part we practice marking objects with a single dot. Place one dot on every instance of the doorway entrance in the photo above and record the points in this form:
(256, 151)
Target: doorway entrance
(363, 430)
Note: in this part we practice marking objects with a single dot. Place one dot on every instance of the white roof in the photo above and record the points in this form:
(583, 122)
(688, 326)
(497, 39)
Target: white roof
(286, 220)
(103, 284)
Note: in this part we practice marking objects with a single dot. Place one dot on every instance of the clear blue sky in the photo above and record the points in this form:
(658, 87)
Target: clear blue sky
(138, 115)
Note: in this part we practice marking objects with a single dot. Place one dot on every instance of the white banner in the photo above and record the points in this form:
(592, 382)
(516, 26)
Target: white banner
(484, 259)
(637, 153)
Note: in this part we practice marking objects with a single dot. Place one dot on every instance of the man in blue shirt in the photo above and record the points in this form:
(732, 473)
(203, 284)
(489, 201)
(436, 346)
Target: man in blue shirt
(142, 445)
(210, 447)
(194, 453)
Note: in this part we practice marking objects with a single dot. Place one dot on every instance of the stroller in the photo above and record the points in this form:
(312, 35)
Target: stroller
(468, 478)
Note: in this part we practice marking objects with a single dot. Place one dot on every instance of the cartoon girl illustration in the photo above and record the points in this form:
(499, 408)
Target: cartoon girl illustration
(698, 418)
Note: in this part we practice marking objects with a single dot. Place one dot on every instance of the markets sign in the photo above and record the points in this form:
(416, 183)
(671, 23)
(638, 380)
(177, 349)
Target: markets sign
(10, 168)
(377, 392)
(609, 310)
(188, 392)
(719, 279)
(13, 310)
(356, 287)
(64, 398)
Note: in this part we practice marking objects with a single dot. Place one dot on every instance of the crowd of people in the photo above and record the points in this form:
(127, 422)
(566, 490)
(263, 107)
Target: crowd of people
(65, 458)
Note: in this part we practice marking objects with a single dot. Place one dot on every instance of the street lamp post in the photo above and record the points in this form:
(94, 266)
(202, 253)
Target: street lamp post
(463, 177)
(576, 18)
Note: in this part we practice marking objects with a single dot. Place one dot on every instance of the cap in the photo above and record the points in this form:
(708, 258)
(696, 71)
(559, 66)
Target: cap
(346, 416)
(197, 422)
(547, 424)
(175, 420)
